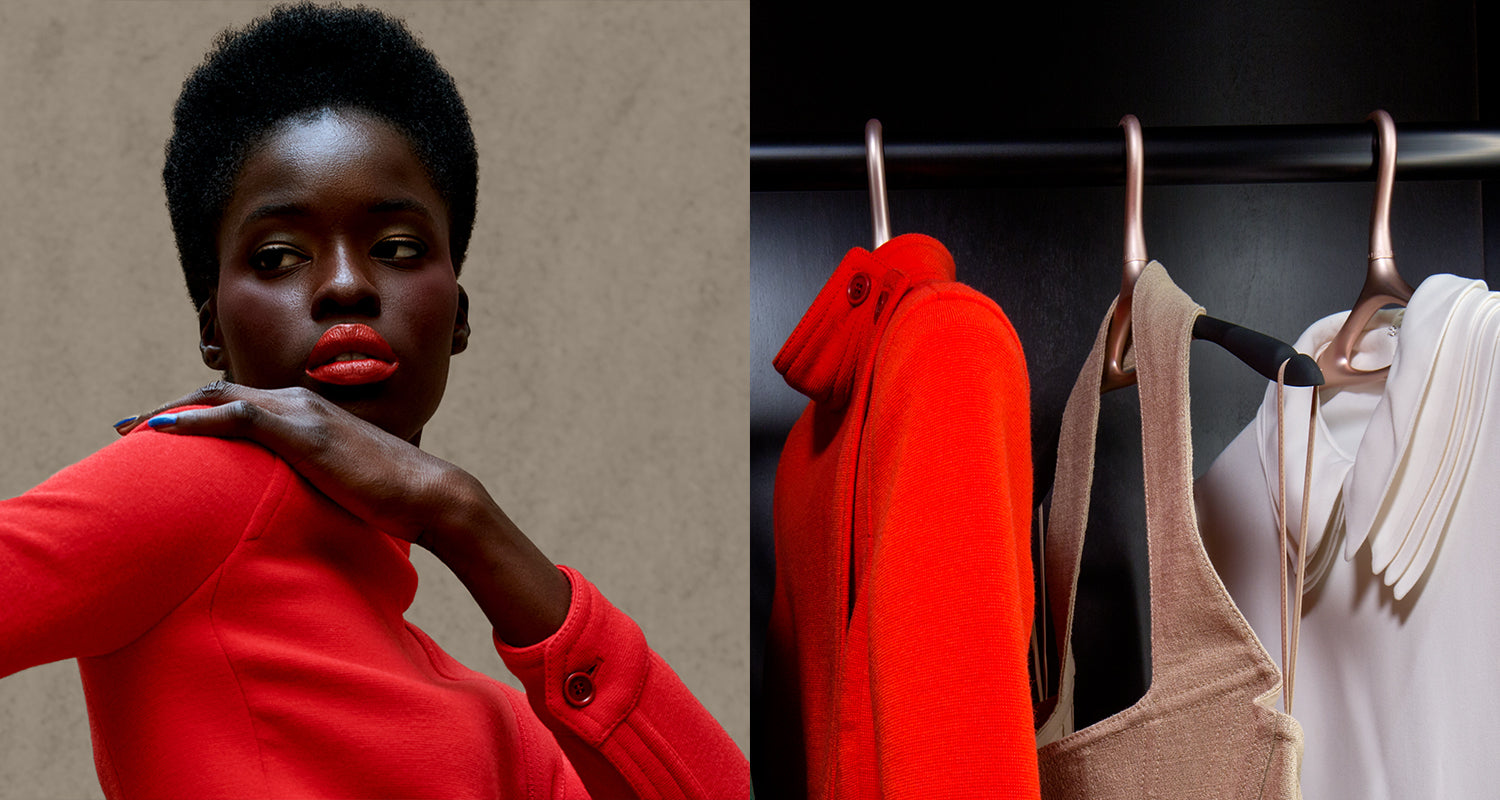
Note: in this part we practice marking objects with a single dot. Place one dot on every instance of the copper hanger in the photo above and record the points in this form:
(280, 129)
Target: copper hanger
(880, 212)
(1115, 374)
(1262, 353)
(1383, 284)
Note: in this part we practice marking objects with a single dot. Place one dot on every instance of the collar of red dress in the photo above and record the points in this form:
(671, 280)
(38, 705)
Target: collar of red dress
(823, 354)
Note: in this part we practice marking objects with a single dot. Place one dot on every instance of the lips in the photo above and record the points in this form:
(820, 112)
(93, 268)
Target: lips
(351, 354)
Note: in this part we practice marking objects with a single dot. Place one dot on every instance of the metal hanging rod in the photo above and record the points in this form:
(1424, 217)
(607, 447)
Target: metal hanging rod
(1214, 154)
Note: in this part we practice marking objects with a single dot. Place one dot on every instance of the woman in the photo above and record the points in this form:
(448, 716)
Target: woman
(349, 300)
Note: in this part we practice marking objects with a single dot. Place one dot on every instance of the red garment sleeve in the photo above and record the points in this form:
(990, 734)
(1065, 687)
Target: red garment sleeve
(621, 715)
(103, 550)
(947, 452)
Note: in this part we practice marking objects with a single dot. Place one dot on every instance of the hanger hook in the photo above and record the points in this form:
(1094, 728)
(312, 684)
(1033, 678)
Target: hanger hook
(1385, 179)
(880, 212)
(1115, 374)
(1135, 181)
(1383, 284)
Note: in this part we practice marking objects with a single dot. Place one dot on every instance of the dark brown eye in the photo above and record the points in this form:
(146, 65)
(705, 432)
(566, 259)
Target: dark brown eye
(398, 249)
(275, 257)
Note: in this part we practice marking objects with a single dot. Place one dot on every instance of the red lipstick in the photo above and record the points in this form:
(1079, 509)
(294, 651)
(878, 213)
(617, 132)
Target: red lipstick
(351, 354)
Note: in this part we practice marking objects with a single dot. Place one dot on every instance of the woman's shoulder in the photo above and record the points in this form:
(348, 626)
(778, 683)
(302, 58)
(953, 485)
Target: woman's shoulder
(98, 553)
(166, 470)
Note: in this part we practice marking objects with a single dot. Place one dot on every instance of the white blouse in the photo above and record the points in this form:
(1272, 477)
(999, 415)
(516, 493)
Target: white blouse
(1395, 677)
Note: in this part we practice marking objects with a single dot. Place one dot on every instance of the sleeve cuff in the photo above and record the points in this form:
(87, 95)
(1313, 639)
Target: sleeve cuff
(588, 676)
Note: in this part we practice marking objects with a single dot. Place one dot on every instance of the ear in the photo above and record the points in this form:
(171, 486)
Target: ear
(461, 323)
(210, 339)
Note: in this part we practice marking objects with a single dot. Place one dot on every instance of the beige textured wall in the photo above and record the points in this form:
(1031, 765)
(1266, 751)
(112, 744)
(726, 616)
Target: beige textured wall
(603, 398)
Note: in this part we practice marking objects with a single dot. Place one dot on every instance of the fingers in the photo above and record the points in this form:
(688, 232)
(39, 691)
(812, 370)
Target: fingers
(238, 419)
(213, 394)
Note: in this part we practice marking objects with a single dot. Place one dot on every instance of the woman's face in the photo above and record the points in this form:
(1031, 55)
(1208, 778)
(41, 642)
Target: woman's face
(333, 242)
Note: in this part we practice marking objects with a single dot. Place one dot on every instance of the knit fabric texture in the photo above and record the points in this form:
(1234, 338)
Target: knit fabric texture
(896, 649)
(240, 635)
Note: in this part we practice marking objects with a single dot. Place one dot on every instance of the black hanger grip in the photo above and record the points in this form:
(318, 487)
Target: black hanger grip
(1262, 353)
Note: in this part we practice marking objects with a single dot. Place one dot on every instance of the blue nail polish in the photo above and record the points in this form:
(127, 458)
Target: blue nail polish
(163, 420)
(123, 421)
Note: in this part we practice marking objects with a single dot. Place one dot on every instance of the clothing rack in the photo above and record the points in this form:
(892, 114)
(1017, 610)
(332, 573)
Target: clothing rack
(1096, 157)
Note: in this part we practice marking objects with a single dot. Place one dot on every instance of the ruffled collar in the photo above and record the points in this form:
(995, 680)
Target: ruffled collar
(1391, 456)
(1415, 457)
(838, 333)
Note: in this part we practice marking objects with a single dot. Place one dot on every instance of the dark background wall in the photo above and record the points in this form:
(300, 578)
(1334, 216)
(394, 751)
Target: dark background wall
(1271, 257)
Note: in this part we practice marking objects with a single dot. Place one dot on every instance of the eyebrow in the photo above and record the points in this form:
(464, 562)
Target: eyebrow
(398, 204)
(277, 210)
(387, 206)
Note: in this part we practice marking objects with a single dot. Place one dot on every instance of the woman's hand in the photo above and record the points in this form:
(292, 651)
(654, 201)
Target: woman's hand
(377, 477)
(393, 486)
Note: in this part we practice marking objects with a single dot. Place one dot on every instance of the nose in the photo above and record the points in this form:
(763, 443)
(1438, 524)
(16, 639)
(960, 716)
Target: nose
(346, 286)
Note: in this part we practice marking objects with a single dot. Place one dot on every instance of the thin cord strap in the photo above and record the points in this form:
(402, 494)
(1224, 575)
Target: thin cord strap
(1291, 667)
(1286, 650)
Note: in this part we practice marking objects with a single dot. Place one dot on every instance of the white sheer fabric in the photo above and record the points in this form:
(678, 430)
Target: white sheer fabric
(1395, 688)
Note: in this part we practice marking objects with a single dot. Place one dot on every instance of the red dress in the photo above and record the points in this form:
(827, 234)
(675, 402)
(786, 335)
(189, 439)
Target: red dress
(896, 650)
(240, 635)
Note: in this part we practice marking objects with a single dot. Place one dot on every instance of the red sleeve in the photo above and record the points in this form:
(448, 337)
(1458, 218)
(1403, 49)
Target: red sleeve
(103, 550)
(623, 717)
(947, 443)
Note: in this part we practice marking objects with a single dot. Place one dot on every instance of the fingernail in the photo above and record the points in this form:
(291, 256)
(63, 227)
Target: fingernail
(162, 420)
(127, 419)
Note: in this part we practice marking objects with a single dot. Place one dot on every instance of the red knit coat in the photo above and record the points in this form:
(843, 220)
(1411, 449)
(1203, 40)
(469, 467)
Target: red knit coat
(896, 650)
(240, 635)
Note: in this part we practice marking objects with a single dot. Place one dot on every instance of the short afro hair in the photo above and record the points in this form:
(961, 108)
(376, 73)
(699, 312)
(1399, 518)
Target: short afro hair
(296, 61)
